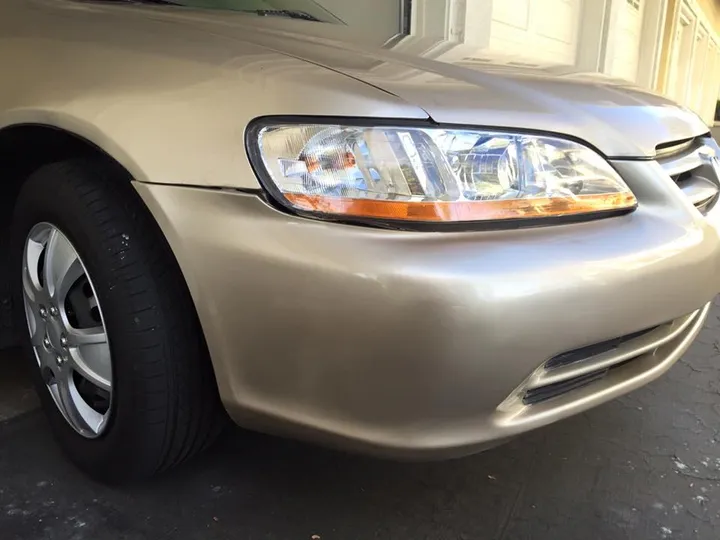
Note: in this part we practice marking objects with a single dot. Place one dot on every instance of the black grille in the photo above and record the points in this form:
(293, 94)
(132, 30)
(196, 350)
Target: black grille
(679, 178)
(583, 353)
(543, 393)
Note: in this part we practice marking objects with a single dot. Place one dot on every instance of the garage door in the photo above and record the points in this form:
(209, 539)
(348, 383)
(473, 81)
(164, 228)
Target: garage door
(625, 36)
(542, 32)
(699, 71)
(682, 52)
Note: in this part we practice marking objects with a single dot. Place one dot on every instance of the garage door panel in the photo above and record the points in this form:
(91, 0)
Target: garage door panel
(513, 13)
(626, 34)
(698, 69)
(682, 49)
(543, 32)
(557, 21)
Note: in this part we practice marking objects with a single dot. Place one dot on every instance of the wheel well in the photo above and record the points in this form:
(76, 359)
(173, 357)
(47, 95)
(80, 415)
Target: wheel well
(26, 148)
(23, 150)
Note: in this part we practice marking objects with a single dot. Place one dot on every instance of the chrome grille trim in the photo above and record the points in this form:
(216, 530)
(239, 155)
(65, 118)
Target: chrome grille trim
(686, 161)
(690, 165)
(706, 205)
(664, 151)
(700, 191)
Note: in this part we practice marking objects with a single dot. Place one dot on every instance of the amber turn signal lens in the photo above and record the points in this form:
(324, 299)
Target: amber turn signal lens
(463, 210)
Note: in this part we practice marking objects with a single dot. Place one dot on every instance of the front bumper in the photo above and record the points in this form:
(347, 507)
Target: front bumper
(418, 344)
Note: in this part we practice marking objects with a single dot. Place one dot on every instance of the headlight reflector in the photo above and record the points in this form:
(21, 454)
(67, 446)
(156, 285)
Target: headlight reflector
(435, 175)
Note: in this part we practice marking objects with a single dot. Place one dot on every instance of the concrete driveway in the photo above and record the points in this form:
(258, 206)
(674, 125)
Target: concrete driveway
(643, 467)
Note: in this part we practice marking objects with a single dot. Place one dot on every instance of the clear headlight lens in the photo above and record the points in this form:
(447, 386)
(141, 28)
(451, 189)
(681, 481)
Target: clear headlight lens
(435, 175)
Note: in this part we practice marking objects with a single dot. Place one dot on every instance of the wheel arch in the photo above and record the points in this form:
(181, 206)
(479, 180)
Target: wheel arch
(40, 137)
(27, 143)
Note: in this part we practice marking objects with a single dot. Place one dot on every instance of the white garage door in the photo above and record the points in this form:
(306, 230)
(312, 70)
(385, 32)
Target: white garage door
(625, 37)
(678, 81)
(543, 32)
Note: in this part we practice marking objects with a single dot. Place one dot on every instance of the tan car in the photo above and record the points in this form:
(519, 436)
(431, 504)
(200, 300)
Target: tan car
(246, 212)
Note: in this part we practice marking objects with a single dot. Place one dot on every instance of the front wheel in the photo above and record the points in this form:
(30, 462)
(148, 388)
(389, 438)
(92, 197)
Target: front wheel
(119, 357)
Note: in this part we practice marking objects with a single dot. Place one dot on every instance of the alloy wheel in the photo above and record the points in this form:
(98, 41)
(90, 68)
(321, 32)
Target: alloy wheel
(67, 330)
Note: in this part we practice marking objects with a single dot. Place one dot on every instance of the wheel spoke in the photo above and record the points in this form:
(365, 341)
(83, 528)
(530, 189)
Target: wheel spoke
(62, 266)
(90, 356)
(31, 316)
(74, 407)
(37, 334)
(78, 337)
(33, 295)
(31, 280)
(66, 401)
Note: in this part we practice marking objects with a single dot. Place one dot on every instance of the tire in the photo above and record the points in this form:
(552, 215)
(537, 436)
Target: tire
(165, 405)
(8, 337)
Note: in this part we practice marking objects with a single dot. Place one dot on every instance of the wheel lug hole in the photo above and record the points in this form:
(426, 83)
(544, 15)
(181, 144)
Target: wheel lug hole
(64, 341)
(43, 312)
(60, 361)
(46, 342)
(54, 311)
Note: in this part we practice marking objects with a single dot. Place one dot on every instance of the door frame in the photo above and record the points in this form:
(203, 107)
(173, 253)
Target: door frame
(651, 40)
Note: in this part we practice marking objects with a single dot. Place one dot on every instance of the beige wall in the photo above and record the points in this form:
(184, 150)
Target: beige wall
(712, 11)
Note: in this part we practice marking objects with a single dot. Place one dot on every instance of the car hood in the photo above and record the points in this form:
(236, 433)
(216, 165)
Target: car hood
(459, 85)
(616, 118)
(619, 119)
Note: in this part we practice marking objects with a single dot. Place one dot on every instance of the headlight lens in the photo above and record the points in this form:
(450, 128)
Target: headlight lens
(435, 175)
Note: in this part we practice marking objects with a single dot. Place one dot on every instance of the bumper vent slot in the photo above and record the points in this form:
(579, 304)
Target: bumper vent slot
(543, 393)
(578, 355)
(580, 367)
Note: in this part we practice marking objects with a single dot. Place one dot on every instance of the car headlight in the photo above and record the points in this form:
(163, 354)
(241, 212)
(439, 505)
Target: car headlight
(432, 175)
